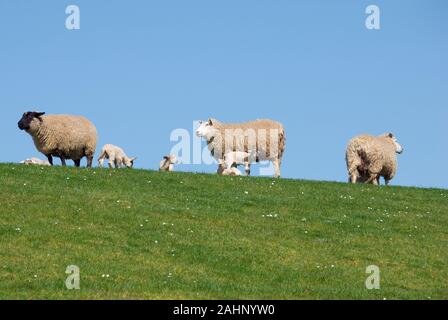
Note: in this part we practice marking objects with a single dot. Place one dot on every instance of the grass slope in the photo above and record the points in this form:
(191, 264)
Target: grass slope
(196, 236)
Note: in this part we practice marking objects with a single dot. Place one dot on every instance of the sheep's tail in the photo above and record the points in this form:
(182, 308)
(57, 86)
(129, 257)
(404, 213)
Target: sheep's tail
(281, 143)
(103, 154)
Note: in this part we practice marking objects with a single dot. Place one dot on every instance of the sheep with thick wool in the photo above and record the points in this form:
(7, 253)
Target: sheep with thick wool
(265, 138)
(65, 136)
(368, 158)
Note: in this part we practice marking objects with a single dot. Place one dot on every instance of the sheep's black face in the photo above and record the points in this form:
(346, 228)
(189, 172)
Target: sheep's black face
(27, 118)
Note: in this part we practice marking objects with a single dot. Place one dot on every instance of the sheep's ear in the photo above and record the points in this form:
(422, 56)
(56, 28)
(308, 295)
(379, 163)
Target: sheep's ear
(390, 135)
(133, 159)
(210, 122)
(166, 157)
(39, 115)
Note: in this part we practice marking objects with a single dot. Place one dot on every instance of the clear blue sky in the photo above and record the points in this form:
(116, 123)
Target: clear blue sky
(139, 69)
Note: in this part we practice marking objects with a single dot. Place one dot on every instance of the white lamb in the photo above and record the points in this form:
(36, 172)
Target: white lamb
(232, 171)
(116, 156)
(167, 163)
(36, 161)
(234, 159)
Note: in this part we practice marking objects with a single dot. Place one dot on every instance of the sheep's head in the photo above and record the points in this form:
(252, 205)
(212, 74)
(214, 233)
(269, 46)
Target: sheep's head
(28, 118)
(206, 129)
(398, 148)
(171, 159)
(129, 162)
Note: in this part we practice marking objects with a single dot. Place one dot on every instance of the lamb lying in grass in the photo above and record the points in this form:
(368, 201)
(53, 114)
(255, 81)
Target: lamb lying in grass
(232, 171)
(168, 162)
(36, 161)
(116, 156)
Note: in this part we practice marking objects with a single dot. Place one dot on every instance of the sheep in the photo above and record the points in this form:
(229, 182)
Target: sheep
(63, 136)
(235, 158)
(116, 157)
(265, 137)
(167, 163)
(35, 161)
(232, 171)
(368, 158)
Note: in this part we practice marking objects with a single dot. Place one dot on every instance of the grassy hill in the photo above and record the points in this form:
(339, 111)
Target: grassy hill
(149, 235)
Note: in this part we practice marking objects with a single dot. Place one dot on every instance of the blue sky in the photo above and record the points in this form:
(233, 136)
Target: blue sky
(139, 69)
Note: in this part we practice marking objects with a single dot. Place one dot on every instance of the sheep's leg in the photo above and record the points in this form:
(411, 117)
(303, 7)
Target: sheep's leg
(63, 161)
(111, 163)
(372, 179)
(100, 162)
(77, 163)
(50, 159)
(386, 182)
(89, 161)
(247, 167)
(277, 168)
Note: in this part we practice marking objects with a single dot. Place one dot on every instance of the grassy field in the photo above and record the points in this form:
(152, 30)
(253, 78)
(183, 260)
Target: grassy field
(138, 234)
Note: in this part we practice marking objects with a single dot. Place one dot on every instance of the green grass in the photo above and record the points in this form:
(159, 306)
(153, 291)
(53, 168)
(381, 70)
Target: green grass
(196, 236)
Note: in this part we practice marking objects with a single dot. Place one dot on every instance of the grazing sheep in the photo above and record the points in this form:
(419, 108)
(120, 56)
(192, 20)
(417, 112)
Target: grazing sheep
(116, 157)
(63, 136)
(265, 137)
(35, 161)
(368, 158)
(168, 162)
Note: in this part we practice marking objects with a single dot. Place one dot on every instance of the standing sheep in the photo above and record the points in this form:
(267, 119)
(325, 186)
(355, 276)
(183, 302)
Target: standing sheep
(116, 157)
(265, 137)
(167, 163)
(368, 158)
(65, 136)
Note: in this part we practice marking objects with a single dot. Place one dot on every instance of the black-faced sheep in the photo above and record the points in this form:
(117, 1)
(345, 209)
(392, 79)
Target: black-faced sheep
(63, 136)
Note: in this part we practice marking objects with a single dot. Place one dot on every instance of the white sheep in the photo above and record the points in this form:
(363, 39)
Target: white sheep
(234, 159)
(63, 136)
(35, 161)
(265, 137)
(232, 171)
(116, 157)
(368, 158)
(167, 163)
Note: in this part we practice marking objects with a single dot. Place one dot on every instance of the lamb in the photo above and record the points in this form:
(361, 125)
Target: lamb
(35, 161)
(168, 162)
(368, 158)
(264, 137)
(235, 158)
(65, 136)
(232, 171)
(116, 156)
